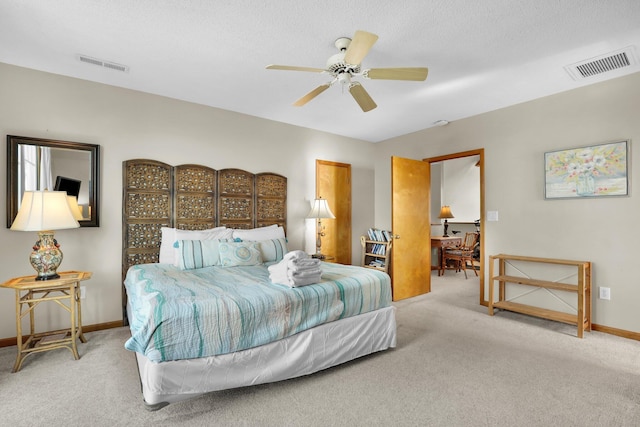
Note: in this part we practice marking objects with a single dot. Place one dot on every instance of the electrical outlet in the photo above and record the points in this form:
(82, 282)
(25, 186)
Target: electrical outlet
(83, 292)
(605, 293)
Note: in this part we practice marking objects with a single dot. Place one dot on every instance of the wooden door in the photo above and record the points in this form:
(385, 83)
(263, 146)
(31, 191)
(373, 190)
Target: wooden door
(411, 252)
(333, 183)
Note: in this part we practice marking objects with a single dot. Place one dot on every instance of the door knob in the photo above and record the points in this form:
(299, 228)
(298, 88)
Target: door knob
(397, 236)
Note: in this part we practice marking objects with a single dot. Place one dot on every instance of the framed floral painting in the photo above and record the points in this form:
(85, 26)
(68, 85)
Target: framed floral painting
(595, 171)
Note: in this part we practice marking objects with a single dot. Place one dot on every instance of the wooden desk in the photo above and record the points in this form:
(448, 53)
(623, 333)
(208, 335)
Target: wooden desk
(30, 293)
(441, 242)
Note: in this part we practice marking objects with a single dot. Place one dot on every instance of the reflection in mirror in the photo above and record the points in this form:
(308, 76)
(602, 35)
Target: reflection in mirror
(43, 164)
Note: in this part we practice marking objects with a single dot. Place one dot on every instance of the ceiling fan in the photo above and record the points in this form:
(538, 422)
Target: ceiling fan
(345, 65)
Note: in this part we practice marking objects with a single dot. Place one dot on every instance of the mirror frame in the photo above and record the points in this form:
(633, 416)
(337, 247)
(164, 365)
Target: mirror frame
(12, 174)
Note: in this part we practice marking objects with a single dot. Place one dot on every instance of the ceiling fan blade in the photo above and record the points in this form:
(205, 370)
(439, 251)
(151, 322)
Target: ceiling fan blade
(362, 97)
(294, 68)
(413, 74)
(359, 47)
(308, 97)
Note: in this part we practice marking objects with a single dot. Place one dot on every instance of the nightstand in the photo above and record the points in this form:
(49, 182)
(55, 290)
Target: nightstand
(325, 258)
(64, 291)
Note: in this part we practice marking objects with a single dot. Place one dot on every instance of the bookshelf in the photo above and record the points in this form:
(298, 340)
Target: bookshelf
(376, 249)
(581, 315)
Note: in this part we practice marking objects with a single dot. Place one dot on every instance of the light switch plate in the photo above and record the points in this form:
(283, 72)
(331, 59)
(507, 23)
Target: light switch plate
(492, 215)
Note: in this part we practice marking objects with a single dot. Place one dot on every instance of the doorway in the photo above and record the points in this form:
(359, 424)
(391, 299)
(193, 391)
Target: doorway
(480, 154)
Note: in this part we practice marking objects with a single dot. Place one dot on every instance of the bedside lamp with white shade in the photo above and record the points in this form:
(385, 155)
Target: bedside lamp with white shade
(319, 211)
(45, 211)
(76, 209)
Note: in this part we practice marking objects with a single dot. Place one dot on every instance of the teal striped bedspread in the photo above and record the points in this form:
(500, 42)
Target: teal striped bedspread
(184, 314)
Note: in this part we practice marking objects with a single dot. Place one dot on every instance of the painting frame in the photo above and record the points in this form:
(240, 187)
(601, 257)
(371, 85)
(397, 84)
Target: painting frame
(592, 171)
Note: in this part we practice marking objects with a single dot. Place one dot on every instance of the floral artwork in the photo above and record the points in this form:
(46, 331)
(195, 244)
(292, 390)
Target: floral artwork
(599, 170)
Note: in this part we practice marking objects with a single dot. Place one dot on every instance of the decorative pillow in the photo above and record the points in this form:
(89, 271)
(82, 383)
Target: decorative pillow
(263, 233)
(273, 250)
(239, 253)
(169, 253)
(198, 254)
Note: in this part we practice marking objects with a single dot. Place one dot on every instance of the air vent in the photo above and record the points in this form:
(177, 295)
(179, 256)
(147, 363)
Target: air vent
(101, 63)
(602, 64)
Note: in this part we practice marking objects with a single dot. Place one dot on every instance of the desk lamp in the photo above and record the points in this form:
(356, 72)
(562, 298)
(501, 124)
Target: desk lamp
(445, 212)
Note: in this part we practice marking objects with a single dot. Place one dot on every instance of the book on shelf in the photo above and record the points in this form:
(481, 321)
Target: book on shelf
(379, 235)
(376, 263)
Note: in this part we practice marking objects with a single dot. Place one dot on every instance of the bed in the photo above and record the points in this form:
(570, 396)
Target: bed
(208, 323)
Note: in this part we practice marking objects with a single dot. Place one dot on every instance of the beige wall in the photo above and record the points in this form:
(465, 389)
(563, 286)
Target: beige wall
(515, 139)
(128, 125)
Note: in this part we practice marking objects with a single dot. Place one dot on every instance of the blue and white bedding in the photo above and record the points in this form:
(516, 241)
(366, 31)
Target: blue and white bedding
(185, 314)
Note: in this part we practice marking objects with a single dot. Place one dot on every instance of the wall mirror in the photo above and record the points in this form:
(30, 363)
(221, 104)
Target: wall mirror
(45, 164)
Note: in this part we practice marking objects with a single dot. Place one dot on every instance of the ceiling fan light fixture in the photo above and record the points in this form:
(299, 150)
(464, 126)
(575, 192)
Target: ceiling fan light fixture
(344, 78)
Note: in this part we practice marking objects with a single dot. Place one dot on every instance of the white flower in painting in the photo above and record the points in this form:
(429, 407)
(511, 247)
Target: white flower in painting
(585, 155)
(573, 168)
(587, 167)
(599, 160)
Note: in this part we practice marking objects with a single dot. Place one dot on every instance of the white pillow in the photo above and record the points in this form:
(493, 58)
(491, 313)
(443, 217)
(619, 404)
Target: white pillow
(169, 254)
(263, 233)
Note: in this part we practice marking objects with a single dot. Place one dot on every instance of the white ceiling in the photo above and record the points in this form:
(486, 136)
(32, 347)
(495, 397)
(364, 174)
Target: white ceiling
(482, 55)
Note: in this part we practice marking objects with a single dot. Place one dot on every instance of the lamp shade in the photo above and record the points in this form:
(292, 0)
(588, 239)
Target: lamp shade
(320, 209)
(445, 212)
(44, 210)
(76, 210)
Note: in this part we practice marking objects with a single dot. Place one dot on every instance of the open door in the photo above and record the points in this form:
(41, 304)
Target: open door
(333, 183)
(411, 251)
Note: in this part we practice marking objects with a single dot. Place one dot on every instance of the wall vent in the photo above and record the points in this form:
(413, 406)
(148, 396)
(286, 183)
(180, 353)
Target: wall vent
(603, 64)
(106, 64)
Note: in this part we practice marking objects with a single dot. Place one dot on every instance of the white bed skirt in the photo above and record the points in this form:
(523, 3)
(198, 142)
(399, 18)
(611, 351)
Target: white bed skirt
(304, 353)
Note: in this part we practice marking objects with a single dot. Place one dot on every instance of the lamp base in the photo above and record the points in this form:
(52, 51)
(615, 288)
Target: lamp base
(320, 231)
(46, 256)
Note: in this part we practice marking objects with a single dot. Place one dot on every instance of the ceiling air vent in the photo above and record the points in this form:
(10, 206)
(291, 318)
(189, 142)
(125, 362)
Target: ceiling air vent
(105, 64)
(602, 64)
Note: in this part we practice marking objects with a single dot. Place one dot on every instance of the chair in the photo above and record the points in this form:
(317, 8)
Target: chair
(461, 254)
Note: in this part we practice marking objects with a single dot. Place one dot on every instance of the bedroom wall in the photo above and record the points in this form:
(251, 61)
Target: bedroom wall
(602, 230)
(127, 125)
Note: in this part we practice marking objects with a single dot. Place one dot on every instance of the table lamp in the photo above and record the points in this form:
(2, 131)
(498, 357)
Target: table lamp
(76, 209)
(320, 210)
(445, 212)
(45, 211)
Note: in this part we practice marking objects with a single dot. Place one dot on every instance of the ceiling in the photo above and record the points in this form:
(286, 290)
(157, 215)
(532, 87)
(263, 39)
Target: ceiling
(482, 55)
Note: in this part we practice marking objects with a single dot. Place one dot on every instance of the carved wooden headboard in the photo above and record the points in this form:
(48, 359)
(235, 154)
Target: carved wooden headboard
(192, 197)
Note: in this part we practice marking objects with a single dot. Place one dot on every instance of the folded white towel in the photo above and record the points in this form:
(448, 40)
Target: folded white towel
(296, 282)
(304, 273)
(295, 269)
(278, 273)
(303, 264)
(303, 279)
(295, 255)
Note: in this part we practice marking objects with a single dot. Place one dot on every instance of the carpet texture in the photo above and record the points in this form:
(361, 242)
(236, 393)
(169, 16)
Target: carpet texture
(454, 366)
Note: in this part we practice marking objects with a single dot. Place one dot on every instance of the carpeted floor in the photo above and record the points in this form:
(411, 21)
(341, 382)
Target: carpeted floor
(454, 366)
